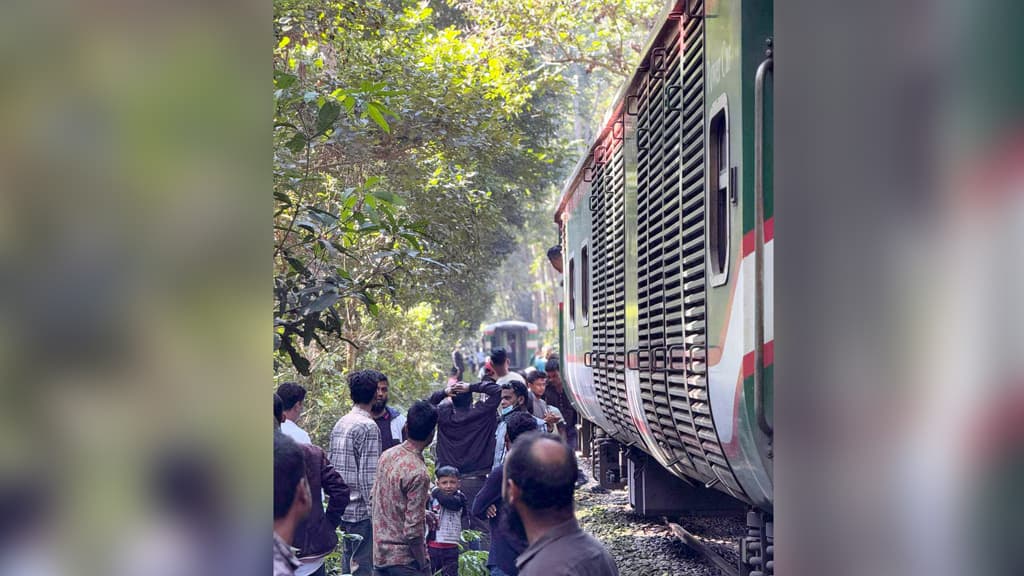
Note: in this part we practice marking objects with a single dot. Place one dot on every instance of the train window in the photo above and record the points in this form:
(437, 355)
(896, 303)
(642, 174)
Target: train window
(718, 203)
(572, 292)
(585, 285)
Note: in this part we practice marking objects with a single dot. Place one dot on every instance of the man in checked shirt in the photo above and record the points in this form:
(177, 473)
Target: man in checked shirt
(355, 448)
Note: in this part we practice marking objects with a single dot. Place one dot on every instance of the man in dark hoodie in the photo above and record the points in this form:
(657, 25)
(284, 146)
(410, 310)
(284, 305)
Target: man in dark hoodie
(465, 435)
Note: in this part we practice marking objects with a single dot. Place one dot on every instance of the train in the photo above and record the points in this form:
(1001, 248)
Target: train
(666, 241)
(518, 338)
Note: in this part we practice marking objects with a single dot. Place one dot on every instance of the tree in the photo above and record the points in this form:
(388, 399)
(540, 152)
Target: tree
(596, 44)
(403, 153)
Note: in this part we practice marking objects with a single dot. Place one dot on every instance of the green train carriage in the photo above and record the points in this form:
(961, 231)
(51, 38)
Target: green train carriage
(667, 256)
(518, 338)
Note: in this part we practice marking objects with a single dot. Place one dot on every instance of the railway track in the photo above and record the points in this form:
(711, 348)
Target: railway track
(648, 546)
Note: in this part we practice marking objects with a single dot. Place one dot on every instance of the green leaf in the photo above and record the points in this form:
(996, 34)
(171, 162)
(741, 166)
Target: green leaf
(384, 109)
(320, 214)
(320, 304)
(282, 198)
(373, 111)
(297, 265)
(297, 143)
(341, 248)
(327, 115)
(371, 304)
(284, 80)
(413, 241)
(306, 225)
(389, 197)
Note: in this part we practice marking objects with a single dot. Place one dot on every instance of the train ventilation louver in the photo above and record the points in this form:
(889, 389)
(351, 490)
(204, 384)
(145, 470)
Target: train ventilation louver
(608, 270)
(670, 256)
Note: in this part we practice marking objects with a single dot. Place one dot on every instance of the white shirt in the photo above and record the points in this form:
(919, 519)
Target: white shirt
(289, 428)
(510, 377)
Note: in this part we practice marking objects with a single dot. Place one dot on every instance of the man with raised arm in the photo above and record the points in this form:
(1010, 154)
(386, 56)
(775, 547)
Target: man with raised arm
(465, 435)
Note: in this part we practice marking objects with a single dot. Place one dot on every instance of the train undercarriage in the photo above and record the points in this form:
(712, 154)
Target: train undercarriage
(656, 492)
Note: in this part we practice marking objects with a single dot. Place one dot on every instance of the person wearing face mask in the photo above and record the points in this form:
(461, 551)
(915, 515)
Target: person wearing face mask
(514, 398)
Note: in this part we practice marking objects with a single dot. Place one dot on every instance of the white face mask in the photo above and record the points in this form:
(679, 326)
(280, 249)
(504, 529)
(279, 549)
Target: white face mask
(507, 410)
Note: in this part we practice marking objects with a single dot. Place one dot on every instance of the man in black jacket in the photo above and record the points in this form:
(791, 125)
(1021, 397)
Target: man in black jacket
(465, 436)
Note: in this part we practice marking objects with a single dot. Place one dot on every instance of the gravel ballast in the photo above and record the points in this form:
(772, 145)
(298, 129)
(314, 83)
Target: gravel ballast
(645, 546)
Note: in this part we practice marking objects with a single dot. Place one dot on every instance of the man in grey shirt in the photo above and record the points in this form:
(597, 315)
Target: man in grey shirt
(540, 476)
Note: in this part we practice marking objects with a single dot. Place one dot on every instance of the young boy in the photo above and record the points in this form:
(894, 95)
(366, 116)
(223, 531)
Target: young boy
(450, 507)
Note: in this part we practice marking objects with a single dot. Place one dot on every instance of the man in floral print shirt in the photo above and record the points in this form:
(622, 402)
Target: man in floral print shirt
(400, 494)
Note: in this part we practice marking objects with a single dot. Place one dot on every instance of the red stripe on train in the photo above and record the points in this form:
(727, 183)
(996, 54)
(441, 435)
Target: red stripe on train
(748, 359)
(769, 235)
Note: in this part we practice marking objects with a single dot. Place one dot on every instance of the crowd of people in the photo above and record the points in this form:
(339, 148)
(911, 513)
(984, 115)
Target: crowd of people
(505, 466)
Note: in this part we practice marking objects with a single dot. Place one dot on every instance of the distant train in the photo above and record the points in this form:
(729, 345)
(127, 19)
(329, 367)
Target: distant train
(517, 337)
(666, 229)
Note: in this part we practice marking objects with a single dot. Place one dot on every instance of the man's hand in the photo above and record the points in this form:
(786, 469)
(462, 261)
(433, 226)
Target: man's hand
(454, 388)
(492, 511)
(551, 418)
(432, 521)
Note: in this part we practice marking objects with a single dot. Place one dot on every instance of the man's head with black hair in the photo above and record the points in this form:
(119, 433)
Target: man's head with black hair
(518, 424)
(292, 395)
(540, 475)
(380, 399)
(537, 381)
(514, 393)
(421, 421)
(462, 399)
(553, 373)
(555, 257)
(499, 360)
(533, 375)
(291, 492)
(278, 410)
(362, 386)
